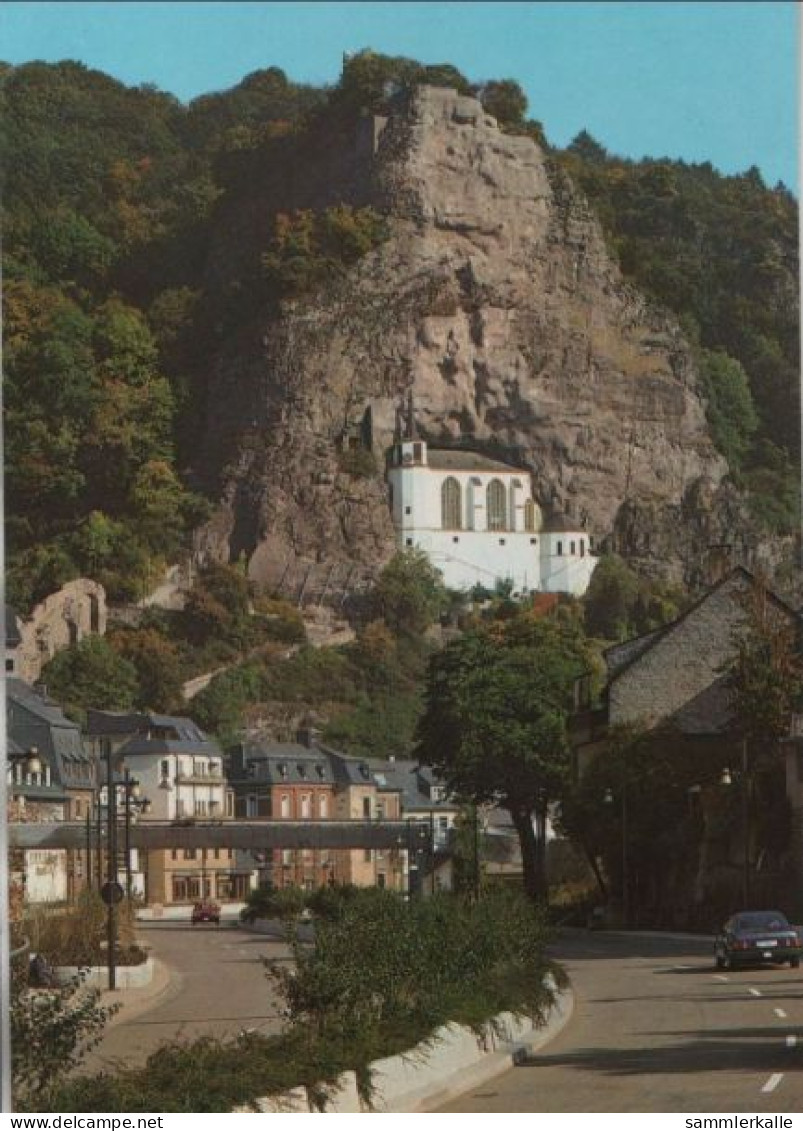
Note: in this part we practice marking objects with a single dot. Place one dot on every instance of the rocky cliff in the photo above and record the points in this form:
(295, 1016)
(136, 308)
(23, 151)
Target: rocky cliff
(496, 304)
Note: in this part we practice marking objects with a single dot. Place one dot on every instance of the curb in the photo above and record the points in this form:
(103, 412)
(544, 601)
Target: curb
(496, 1063)
(453, 1061)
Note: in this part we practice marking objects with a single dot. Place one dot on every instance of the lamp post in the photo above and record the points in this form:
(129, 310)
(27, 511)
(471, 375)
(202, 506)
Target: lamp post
(111, 873)
(133, 802)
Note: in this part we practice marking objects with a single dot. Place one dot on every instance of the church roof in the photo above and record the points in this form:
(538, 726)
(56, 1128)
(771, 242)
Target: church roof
(460, 459)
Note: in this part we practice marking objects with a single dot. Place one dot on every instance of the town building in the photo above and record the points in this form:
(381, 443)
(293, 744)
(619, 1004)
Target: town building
(477, 520)
(306, 780)
(179, 770)
(423, 799)
(672, 688)
(51, 776)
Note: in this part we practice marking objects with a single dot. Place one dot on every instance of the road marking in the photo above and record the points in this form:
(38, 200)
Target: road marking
(791, 1041)
(722, 977)
(773, 1082)
(755, 993)
(780, 1013)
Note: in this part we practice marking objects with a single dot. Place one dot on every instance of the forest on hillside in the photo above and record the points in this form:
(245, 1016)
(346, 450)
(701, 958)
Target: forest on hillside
(110, 199)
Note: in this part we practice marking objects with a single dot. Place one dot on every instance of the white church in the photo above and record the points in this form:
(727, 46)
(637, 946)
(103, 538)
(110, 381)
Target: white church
(478, 523)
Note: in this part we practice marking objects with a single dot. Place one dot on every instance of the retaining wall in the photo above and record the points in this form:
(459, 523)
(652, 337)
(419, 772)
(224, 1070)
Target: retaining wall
(435, 1071)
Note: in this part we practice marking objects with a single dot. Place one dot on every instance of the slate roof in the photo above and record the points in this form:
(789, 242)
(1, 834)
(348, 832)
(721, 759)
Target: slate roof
(461, 459)
(639, 645)
(286, 763)
(32, 720)
(710, 712)
(109, 723)
(413, 781)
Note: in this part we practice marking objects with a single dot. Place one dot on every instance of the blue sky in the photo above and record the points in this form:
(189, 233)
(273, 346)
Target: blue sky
(711, 80)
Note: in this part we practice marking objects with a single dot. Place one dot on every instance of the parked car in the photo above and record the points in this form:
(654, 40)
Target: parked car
(206, 911)
(755, 937)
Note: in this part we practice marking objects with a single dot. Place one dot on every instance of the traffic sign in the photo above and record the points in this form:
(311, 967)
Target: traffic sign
(111, 893)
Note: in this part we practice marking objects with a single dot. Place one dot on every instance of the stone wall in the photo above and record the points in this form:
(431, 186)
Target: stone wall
(685, 660)
(77, 610)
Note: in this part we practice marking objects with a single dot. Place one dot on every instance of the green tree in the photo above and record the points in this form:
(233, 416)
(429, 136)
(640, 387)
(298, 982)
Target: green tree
(51, 1032)
(157, 661)
(494, 724)
(504, 100)
(91, 674)
(610, 599)
(409, 595)
(730, 410)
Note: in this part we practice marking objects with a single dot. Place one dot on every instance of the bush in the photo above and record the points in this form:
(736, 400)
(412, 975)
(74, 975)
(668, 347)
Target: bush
(51, 1031)
(285, 903)
(381, 961)
(77, 936)
(359, 463)
(382, 976)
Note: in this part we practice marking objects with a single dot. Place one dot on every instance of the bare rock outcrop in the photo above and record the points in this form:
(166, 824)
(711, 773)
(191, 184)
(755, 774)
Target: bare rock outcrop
(497, 305)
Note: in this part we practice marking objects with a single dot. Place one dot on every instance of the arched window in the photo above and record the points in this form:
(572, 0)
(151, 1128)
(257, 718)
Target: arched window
(496, 505)
(451, 505)
(529, 515)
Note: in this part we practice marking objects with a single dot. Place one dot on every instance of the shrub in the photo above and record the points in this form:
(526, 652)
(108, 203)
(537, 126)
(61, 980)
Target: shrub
(382, 976)
(359, 463)
(51, 1031)
(285, 903)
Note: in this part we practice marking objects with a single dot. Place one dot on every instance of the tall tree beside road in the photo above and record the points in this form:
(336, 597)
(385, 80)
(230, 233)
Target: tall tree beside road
(494, 723)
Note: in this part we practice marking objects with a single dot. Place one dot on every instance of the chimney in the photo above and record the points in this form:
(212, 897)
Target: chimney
(308, 736)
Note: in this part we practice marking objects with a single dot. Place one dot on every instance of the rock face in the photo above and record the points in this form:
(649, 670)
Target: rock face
(496, 304)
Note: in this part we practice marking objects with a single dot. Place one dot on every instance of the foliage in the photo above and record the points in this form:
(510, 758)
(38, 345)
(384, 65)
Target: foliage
(494, 725)
(504, 100)
(409, 595)
(722, 253)
(766, 680)
(158, 665)
(382, 961)
(645, 780)
(359, 463)
(619, 604)
(309, 248)
(382, 976)
(369, 81)
(91, 674)
(76, 936)
(51, 1032)
(285, 903)
(730, 410)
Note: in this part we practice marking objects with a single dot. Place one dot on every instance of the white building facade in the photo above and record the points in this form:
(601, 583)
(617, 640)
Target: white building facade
(478, 523)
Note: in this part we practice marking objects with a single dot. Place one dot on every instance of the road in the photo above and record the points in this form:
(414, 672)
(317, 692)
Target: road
(217, 986)
(656, 1028)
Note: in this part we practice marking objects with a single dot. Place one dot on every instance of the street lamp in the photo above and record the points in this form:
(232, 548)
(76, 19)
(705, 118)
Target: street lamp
(133, 801)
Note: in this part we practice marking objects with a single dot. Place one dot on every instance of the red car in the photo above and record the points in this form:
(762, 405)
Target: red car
(206, 912)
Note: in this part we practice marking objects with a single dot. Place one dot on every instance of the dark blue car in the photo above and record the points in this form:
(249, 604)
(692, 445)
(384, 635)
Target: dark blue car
(753, 937)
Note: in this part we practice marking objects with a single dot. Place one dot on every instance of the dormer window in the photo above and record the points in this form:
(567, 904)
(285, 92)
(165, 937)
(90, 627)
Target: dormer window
(282, 768)
(320, 770)
(302, 769)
